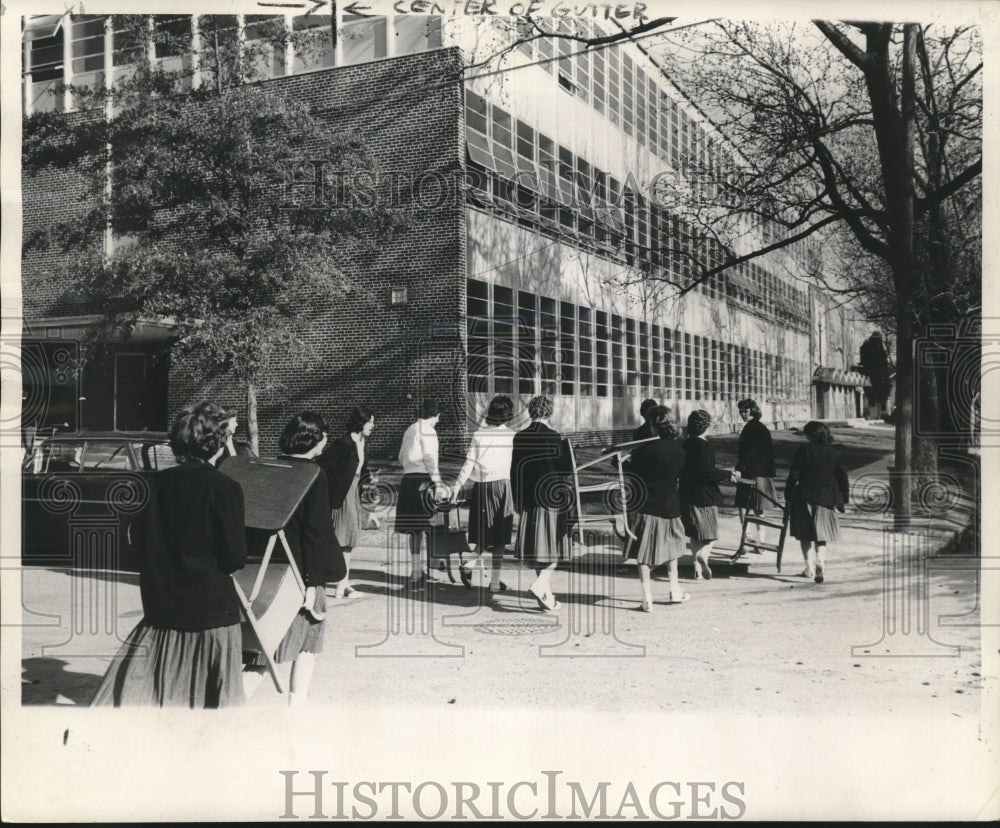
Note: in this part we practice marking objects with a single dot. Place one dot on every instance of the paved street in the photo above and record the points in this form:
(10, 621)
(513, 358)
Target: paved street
(749, 641)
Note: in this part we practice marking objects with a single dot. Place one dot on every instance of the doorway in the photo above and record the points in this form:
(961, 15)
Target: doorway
(131, 392)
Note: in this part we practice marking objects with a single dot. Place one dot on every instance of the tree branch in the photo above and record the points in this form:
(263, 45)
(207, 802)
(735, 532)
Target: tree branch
(844, 45)
(924, 204)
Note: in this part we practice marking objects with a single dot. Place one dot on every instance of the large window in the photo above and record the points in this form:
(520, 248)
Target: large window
(617, 355)
(586, 348)
(601, 360)
(567, 345)
(645, 374)
(88, 50)
(631, 354)
(640, 106)
(656, 358)
(614, 84)
(478, 327)
(503, 340)
(599, 80)
(696, 364)
(527, 349)
(362, 38)
(419, 33)
(628, 95)
(549, 333)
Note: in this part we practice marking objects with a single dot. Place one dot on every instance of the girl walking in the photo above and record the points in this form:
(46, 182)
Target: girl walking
(491, 511)
(817, 488)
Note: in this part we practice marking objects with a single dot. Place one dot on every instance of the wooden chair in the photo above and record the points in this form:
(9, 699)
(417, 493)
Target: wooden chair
(618, 519)
(767, 520)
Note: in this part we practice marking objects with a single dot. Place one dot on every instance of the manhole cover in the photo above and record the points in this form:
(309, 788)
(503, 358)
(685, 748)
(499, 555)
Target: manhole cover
(531, 627)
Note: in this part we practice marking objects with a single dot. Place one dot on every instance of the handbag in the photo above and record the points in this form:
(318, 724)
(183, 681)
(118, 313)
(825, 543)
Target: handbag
(447, 535)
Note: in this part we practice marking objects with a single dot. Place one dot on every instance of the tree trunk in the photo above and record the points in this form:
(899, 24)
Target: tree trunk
(252, 418)
(895, 138)
(925, 465)
(903, 483)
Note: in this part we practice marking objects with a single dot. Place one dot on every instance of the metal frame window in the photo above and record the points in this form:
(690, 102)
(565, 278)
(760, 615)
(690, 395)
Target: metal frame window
(614, 84)
(628, 94)
(688, 387)
(585, 344)
(617, 356)
(567, 348)
(478, 329)
(631, 354)
(527, 348)
(640, 106)
(601, 361)
(548, 329)
(503, 340)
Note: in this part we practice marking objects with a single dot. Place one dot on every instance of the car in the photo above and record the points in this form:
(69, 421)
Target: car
(82, 492)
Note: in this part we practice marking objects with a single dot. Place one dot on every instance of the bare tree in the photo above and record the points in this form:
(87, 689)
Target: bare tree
(875, 127)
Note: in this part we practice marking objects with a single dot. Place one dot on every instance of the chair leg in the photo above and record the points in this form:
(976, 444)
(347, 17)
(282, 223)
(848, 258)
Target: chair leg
(740, 549)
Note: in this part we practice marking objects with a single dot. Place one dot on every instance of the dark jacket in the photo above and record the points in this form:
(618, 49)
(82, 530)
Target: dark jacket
(756, 454)
(657, 466)
(309, 533)
(699, 477)
(340, 462)
(817, 477)
(194, 538)
(643, 432)
(539, 466)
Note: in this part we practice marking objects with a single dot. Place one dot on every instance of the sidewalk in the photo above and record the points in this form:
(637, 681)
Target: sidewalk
(749, 641)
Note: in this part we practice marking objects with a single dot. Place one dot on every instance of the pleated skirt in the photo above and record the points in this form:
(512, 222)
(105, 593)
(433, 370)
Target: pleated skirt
(347, 519)
(808, 522)
(175, 668)
(306, 633)
(700, 522)
(658, 541)
(414, 507)
(491, 514)
(542, 536)
(749, 497)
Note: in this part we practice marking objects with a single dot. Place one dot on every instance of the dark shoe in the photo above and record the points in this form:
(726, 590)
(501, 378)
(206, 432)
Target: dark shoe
(819, 574)
(466, 577)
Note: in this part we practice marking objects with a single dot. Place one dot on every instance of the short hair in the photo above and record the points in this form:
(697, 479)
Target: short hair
(698, 422)
(428, 409)
(501, 411)
(660, 421)
(359, 415)
(302, 433)
(645, 410)
(199, 431)
(751, 406)
(817, 432)
(540, 408)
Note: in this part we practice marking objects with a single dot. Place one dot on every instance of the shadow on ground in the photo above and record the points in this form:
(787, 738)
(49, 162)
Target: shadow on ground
(47, 681)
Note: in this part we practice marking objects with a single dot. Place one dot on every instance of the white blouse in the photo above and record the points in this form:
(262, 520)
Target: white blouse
(419, 452)
(489, 455)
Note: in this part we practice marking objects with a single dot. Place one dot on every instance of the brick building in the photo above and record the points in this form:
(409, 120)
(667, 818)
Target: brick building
(533, 260)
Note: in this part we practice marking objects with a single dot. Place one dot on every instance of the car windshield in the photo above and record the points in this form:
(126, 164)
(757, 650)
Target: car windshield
(106, 454)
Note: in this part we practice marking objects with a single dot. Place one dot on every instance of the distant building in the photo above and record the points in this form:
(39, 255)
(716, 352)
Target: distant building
(530, 227)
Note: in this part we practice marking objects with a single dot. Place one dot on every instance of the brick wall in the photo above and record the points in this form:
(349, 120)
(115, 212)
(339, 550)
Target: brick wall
(409, 112)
